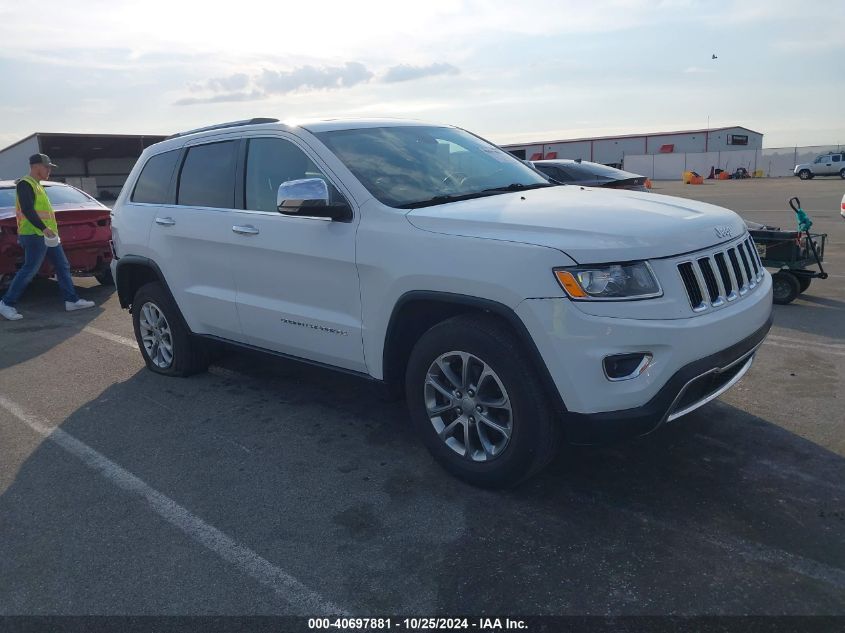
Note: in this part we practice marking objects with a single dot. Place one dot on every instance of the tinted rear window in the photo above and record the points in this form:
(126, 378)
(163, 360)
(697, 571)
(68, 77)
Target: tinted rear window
(154, 182)
(7, 197)
(208, 176)
(66, 195)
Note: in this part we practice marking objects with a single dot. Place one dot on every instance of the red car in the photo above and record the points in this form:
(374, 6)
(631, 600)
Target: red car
(84, 226)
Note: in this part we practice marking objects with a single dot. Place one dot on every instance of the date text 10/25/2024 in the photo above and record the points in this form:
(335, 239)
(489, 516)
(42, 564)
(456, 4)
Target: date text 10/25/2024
(418, 624)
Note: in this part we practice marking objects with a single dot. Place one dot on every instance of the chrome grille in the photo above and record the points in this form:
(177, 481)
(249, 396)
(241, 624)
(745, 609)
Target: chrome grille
(721, 276)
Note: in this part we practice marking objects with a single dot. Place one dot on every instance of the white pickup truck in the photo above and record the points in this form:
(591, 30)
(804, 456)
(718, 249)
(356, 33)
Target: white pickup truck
(512, 313)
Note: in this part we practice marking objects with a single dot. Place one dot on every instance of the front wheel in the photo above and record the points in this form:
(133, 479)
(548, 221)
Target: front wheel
(785, 287)
(805, 174)
(163, 338)
(475, 400)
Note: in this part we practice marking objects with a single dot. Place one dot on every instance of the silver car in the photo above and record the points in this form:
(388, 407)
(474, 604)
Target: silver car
(824, 165)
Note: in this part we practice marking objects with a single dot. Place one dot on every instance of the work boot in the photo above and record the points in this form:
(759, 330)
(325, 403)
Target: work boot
(79, 304)
(9, 312)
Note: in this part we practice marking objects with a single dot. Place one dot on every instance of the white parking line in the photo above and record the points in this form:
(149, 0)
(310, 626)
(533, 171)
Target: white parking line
(304, 600)
(128, 342)
(111, 337)
(805, 348)
(799, 341)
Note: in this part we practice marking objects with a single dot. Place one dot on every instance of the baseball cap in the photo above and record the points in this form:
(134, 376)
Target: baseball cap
(41, 159)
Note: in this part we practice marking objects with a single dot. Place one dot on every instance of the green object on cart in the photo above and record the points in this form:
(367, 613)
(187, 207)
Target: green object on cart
(804, 222)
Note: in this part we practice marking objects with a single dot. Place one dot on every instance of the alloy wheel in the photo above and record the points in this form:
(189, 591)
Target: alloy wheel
(156, 335)
(468, 406)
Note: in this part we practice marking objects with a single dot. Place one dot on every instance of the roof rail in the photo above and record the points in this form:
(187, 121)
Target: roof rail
(221, 126)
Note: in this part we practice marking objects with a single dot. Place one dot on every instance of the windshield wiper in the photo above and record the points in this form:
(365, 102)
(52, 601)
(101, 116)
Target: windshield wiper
(443, 198)
(518, 186)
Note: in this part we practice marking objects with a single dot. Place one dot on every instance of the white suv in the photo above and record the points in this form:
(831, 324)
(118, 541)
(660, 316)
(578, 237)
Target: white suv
(511, 312)
(824, 165)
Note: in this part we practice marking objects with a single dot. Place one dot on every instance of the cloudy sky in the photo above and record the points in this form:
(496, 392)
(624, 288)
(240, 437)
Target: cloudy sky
(510, 71)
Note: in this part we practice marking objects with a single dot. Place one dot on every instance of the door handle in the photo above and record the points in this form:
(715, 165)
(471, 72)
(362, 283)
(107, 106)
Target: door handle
(165, 221)
(245, 229)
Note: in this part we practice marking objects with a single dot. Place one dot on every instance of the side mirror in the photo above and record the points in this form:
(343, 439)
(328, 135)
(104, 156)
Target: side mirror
(309, 197)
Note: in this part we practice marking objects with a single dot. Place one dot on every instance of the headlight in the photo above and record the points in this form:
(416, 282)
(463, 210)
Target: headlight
(609, 281)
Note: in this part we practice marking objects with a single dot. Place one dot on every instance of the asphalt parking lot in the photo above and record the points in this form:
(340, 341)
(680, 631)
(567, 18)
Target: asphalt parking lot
(267, 487)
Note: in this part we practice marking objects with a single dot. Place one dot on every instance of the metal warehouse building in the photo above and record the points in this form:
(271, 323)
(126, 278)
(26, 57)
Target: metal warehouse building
(96, 163)
(611, 150)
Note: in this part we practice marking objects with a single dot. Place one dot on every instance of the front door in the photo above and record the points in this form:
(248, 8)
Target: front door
(297, 281)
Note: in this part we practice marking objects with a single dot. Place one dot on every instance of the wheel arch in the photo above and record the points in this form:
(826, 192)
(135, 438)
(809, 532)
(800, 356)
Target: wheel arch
(132, 272)
(417, 311)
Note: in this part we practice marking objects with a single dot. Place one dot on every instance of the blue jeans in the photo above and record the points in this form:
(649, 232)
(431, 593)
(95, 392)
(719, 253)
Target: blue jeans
(34, 251)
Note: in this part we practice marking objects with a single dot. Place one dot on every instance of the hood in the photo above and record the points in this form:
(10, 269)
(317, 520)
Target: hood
(589, 225)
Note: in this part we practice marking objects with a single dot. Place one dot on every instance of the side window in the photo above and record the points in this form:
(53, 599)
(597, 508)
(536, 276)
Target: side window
(837, 158)
(154, 182)
(822, 159)
(269, 163)
(208, 176)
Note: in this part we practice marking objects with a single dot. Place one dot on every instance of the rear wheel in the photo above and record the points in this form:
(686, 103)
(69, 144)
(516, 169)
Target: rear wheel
(803, 282)
(163, 337)
(805, 174)
(785, 287)
(842, 174)
(475, 400)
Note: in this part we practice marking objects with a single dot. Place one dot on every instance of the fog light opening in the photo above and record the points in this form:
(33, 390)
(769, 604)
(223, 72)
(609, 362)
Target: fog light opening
(626, 366)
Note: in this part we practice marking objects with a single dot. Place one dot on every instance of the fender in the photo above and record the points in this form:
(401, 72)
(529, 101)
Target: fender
(123, 282)
(485, 305)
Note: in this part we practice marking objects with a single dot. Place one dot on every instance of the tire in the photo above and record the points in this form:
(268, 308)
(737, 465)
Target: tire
(803, 282)
(177, 352)
(785, 287)
(842, 174)
(805, 174)
(105, 278)
(484, 344)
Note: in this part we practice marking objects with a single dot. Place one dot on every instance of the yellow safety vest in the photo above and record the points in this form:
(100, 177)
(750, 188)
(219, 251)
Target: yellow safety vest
(42, 207)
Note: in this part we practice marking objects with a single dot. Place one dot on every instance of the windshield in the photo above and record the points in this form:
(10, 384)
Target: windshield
(58, 194)
(411, 166)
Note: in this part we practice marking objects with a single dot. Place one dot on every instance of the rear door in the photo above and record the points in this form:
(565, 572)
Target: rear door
(837, 164)
(298, 289)
(193, 241)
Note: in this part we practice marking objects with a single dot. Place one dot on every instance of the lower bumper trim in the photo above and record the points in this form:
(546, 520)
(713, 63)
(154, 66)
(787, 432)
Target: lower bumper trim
(691, 387)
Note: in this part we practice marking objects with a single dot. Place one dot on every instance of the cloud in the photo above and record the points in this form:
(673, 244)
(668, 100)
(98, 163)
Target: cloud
(406, 72)
(242, 87)
(234, 88)
(311, 77)
(229, 97)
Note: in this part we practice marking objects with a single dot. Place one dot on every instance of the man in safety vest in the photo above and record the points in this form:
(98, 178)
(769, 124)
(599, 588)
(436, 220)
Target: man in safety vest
(38, 235)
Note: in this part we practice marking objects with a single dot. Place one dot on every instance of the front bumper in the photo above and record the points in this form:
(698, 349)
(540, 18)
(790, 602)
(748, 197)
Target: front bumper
(694, 360)
(689, 388)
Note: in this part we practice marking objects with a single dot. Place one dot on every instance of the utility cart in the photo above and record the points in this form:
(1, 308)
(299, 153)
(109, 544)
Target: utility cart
(792, 253)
